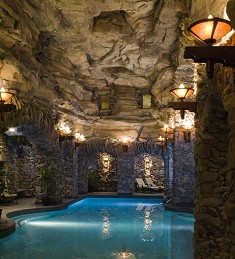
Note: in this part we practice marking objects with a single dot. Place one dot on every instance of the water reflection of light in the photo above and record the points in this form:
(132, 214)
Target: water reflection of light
(154, 227)
(147, 234)
(61, 224)
(106, 228)
(125, 254)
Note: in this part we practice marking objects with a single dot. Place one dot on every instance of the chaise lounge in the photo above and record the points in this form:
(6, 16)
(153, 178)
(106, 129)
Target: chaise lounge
(151, 184)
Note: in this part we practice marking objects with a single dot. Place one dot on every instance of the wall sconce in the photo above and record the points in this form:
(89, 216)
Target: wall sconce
(125, 144)
(161, 141)
(183, 93)
(4, 97)
(187, 131)
(79, 139)
(210, 31)
(167, 130)
(64, 133)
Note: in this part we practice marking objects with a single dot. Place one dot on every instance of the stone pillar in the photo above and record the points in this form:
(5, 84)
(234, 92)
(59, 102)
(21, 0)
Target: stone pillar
(211, 170)
(52, 159)
(168, 176)
(229, 211)
(82, 170)
(125, 171)
(184, 172)
(67, 147)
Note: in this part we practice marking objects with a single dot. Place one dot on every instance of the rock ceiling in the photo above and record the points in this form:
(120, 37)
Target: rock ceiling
(62, 55)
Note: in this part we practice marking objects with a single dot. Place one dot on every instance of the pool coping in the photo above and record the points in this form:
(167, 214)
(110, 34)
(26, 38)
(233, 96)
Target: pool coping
(7, 225)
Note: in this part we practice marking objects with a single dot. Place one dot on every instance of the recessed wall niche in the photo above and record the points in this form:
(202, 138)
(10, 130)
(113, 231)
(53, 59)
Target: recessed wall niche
(107, 172)
(150, 165)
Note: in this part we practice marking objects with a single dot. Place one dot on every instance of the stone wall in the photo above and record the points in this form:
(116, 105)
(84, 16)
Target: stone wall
(73, 164)
(183, 171)
(214, 154)
(20, 166)
(211, 170)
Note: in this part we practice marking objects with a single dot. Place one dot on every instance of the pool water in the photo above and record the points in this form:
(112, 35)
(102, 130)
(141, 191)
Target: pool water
(100, 228)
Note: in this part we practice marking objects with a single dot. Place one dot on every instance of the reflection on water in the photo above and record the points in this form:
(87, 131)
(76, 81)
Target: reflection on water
(105, 233)
(103, 228)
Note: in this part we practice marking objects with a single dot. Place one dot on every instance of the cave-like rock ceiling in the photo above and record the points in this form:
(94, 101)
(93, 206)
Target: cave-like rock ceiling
(61, 56)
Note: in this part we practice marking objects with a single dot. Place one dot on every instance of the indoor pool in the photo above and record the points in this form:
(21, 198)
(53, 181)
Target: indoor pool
(102, 228)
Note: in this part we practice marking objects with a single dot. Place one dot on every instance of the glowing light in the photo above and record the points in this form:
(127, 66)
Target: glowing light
(124, 254)
(64, 129)
(161, 138)
(187, 124)
(4, 95)
(79, 137)
(181, 92)
(166, 126)
(210, 17)
(125, 140)
(12, 129)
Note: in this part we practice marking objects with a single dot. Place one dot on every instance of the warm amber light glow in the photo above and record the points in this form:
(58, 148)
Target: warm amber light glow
(210, 30)
(79, 137)
(124, 255)
(64, 130)
(187, 125)
(104, 103)
(166, 126)
(4, 96)
(181, 92)
(167, 129)
(125, 140)
(161, 139)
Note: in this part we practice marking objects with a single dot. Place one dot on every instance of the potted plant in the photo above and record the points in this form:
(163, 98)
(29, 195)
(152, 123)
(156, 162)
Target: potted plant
(47, 178)
(2, 185)
(92, 178)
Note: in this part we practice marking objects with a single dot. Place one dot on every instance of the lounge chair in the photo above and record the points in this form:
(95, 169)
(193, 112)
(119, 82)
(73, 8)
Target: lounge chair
(8, 198)
(151, 184)
(140, 184)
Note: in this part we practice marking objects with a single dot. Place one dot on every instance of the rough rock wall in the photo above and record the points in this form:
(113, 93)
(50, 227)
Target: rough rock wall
(183, 171)
(211, 169)
(68, 54)
(214, 154)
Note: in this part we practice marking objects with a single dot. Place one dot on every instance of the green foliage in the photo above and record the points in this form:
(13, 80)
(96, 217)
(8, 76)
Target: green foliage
(47, 181)
(2, 180)
(92, 178)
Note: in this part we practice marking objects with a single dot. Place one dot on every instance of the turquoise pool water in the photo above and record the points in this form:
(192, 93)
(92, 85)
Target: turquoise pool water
(100, 228)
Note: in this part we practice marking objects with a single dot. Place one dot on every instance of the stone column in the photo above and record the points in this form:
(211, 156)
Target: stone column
(229, 211)
(125, 171)
(211, 169)
(184, 172)
(67, 148)
(82, 170)
(168, 176)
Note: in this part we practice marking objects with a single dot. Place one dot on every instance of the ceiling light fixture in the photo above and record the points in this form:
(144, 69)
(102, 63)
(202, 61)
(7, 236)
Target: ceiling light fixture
(210, 31)
(183, 93)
